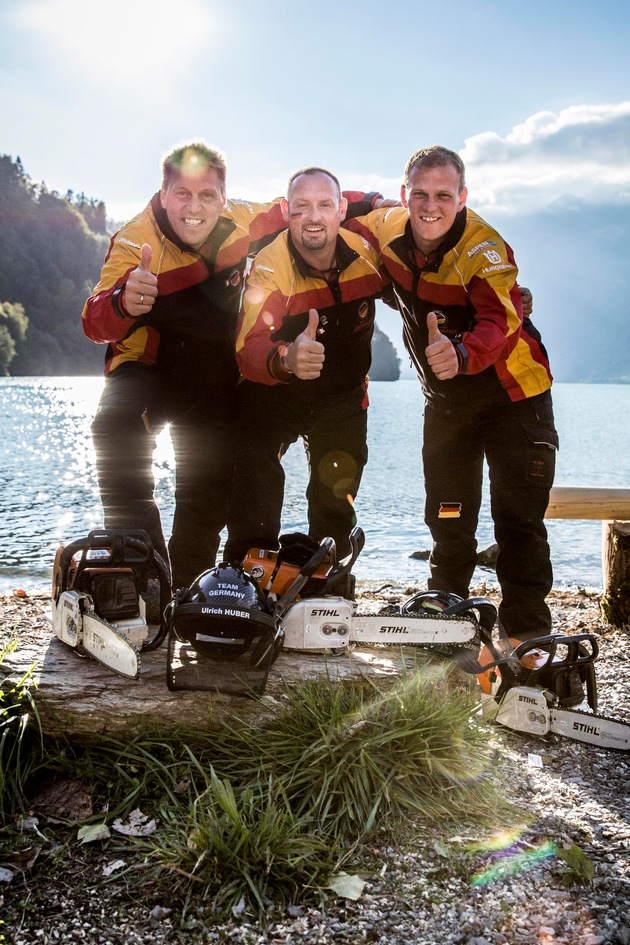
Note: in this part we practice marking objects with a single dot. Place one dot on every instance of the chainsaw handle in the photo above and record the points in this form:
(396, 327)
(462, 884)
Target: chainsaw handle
(576, 654)
(306, 571)
(486, 611)
(357, 542)
(165, 597)
(116, 541)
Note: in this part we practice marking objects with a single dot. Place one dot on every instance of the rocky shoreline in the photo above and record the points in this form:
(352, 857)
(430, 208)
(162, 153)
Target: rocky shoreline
(560, 874)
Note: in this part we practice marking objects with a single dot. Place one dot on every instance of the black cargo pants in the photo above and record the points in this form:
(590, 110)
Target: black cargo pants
(136, 404)
(334, 430)
(519, 442)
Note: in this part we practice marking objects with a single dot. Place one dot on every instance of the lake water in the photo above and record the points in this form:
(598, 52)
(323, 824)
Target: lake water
(49, 493)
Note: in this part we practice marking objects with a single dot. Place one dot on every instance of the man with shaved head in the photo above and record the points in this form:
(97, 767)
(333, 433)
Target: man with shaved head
(304, 349)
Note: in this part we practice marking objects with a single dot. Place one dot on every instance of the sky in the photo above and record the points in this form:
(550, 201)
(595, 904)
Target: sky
(534, 95)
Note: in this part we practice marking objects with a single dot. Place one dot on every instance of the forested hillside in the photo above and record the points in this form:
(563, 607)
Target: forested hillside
(51, 251)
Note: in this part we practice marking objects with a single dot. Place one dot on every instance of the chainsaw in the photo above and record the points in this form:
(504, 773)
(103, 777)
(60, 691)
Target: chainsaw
(325, 615)
(534, 686)
(538, 686)
(97, 603)
(545, 685)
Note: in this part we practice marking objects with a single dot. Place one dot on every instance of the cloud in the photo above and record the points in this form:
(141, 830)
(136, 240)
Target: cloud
(583, 151)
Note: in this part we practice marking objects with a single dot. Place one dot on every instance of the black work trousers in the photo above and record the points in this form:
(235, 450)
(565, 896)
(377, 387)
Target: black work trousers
(519, 442)
(334, 430)
(136, 404)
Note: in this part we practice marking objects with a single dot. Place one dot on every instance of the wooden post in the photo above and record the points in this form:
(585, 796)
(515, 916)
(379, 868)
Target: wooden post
(612, 507)
(615, 603)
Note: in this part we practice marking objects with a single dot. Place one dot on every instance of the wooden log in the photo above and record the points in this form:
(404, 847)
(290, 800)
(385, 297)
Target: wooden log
(78, 698)
(615, 603)
(589, 503)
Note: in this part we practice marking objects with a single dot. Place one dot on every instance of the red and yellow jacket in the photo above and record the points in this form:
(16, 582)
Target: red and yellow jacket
(471, 282)
(192, 325)
(282, 287)
(198, 292)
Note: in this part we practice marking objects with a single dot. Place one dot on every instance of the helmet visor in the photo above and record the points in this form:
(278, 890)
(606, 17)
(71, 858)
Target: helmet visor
(228, 655)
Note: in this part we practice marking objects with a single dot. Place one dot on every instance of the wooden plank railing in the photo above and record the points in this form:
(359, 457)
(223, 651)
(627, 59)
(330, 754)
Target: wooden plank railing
(589, 503)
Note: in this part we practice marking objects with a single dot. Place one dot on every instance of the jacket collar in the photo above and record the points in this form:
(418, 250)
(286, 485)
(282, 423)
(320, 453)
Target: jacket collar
(433, 260)
(344, 255)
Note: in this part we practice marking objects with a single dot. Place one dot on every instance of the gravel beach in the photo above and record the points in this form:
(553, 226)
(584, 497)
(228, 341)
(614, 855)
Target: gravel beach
(561, 874)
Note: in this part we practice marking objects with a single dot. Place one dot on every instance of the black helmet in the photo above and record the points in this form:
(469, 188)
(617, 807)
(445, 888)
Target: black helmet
(222, 618)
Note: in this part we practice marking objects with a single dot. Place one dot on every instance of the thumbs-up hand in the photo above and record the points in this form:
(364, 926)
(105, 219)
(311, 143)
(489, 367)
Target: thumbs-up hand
(440, 353)
(141, 290)
(304, 357)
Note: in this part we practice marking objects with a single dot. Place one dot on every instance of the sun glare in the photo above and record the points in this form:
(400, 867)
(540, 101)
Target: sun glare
(119, 41)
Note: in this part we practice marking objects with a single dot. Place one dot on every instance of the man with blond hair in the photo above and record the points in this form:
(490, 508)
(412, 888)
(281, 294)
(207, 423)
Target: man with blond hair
(166, 306)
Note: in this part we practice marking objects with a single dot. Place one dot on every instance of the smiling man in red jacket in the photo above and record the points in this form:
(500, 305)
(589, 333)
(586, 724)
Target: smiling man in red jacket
(304, 349)
(166, 306)
(486, 377)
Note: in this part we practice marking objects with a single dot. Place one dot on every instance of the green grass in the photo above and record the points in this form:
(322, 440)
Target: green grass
(261, 813)
(20, 737)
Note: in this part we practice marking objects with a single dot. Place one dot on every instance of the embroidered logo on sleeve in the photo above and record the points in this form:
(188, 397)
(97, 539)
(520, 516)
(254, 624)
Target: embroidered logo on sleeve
(473, 252)
(492, 256)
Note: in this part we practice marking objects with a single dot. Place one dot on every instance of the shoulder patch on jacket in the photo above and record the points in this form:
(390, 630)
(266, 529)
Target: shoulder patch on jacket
(476, 249)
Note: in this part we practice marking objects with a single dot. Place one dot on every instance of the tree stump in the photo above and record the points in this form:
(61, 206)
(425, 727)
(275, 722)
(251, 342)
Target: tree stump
(78, 698)
(615, 603)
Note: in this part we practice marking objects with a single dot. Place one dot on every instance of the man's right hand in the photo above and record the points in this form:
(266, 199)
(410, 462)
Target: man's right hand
(141, 290)
(440, 352)
(304, 357)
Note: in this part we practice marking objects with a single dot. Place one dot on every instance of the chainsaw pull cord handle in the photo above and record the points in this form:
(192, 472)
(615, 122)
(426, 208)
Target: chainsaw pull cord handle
(305, 572)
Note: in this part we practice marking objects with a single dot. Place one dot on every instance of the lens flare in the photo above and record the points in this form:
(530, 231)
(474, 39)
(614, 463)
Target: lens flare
(512, 860)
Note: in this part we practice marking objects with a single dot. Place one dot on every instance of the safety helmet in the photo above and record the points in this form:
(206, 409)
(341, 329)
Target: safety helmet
(222, 633)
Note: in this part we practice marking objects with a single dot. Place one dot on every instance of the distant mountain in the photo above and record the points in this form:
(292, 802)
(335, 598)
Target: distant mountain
(574, 257)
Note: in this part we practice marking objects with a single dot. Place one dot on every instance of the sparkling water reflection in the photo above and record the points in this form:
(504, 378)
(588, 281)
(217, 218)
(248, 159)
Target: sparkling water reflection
(49, 491)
